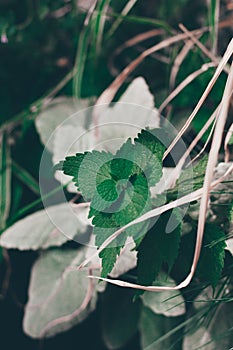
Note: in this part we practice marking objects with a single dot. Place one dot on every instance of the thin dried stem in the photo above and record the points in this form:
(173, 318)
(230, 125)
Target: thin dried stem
(185, 83)
(227, 139)
(194, 142)
(202, 47)
(212, 161)
(131, 42)
(178, 61)
(218, 71)
(205, 145)
(107, 96)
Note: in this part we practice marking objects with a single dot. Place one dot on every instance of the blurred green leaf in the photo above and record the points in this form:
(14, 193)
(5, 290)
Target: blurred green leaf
(26, 178)
(215, 330)
(47, 228)
(212, 255)
(5, 180)
(119, 317)
(155, 331)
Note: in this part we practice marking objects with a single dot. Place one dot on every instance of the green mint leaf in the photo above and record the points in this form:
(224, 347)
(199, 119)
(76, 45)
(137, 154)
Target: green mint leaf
(159, 248)
(212, 255)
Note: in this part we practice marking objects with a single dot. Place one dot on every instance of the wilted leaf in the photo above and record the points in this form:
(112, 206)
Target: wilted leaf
(45, 228)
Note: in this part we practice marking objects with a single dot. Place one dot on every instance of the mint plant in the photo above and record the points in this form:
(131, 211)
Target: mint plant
(118, 188)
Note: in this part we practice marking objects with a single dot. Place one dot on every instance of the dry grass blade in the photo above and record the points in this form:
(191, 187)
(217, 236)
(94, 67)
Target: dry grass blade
(205, 145)
(212, 161)
(218, 71)
(185, 83)
(107, 96)
(194, 142)
(178, 61)
(130, 4)
(227, 140)
(131, 42)
(202, 47)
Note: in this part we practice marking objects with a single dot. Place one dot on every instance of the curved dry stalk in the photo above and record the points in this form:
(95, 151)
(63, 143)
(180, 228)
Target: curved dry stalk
(179, 166)
(129, 43)
(227, 139)
(198, 137)
(205, 145)
(185, 83)
(212, 161)
(218, 71)
(178, 61)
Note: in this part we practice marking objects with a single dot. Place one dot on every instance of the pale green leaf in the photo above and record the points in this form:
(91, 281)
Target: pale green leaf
(58, 113)
(59, 294)
(137, 103)
(229, 245)
(154, 330)
(45, 228)
(168, 303)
